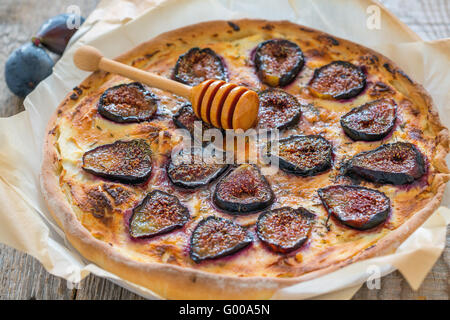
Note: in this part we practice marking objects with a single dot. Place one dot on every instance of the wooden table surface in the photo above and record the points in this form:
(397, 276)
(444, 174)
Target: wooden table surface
(22, 276)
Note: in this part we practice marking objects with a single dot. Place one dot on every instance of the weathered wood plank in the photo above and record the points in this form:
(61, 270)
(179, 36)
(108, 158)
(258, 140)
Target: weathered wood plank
(19, 20)
(430, 19)
(435, 286)
(22, 277)
(97, 288)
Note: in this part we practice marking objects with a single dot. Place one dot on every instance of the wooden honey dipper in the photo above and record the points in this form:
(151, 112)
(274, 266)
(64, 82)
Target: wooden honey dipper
(224, 105)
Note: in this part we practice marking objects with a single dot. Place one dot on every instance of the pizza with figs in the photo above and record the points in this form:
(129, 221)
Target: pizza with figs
(361, 163)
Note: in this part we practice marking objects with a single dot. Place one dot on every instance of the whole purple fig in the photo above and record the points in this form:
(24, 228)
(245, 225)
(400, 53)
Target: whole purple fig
(26, 67)
(56, 32)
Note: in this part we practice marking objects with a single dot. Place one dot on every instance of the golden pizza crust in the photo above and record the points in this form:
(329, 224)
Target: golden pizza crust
(191, 281)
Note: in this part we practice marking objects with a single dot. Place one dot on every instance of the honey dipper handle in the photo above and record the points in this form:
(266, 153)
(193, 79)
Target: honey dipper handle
(90, 59)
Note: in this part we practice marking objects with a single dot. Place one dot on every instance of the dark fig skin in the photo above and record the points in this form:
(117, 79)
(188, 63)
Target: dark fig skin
(278, 109)
(243, 190)
(304, 155)
(357, 207)
(195, 173)
(278, 62)
(216, 237)
(185, 119)
(55, 34)
(158, 213)
(129, 162)
(394, 163)
(337, 80)
(198, 65)
(371, 121)
(26, 67)
(127, 103)
(284, 229)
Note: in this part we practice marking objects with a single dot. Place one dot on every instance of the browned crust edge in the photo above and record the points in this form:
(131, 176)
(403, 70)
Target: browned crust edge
(174, 282)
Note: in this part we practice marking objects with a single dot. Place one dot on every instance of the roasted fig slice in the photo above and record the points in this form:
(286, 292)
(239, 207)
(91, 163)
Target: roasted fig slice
(395, 163)
(357, 207)
(123, 161)
(277, 109)
(198, 65)
(185, 119)
(158, 213)
(337, 80)
(243, 190)
(192, 170)
(285, 229)
(304, 155)
(278, 61)
(128, 102)
(371, 121)
(215, 237)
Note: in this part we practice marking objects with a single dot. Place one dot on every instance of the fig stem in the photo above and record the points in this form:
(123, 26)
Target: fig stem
(36, 41)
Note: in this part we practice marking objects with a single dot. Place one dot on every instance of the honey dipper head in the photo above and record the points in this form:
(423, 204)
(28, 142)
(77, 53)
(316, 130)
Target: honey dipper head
(87, 58)
(225, 105)
(246, 111)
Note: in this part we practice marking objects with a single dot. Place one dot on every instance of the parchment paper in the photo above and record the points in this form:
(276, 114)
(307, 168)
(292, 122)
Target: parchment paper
(117, 26)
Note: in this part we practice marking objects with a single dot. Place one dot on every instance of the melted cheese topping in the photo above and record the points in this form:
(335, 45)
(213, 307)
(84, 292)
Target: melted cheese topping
(104, 208)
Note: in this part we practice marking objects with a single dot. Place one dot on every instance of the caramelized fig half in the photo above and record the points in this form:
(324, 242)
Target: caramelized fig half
(357, 207)
(158, 213)
(278, 109)
(371, 121)
(216, 237)
(198, 65)
(123, 161)
(337, 80)
(192, 170)
(304, 155)
(395, 163)
(285, 229)
(128, 102)
(243, 190)
(278, 61)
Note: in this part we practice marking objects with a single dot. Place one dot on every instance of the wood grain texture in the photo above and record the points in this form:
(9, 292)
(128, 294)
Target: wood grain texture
(430, 19)
(23, 277)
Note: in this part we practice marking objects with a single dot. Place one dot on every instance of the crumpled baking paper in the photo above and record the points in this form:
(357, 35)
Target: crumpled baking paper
(117, 26)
